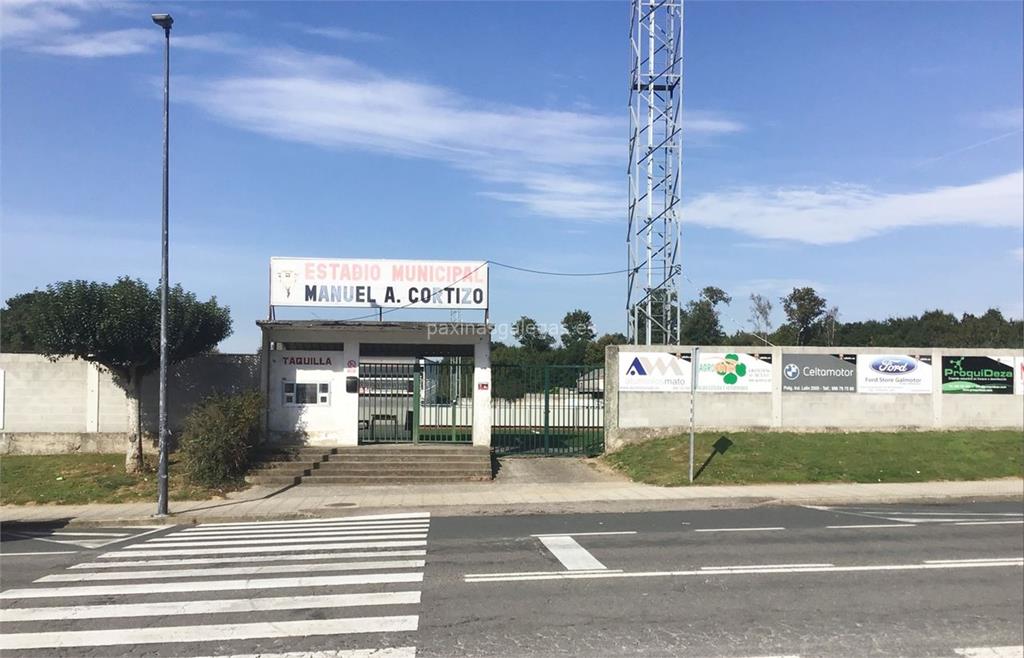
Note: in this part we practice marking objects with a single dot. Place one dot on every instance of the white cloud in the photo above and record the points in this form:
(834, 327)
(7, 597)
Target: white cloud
(341, 34)
(54, 27)
(1004, 119)
(844, 213)
(100, 44)
(554, 163)
(23, 20)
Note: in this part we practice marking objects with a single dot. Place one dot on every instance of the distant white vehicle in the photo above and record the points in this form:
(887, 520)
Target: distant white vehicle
(591, 383)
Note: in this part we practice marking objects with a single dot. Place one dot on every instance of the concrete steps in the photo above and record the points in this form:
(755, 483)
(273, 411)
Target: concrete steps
(376, 464)
(284, 467)
(382, 480)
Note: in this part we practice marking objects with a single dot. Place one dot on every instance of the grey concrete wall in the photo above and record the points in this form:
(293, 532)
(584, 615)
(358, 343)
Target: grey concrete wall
(637, 416)
(51, 407)
(43, 396)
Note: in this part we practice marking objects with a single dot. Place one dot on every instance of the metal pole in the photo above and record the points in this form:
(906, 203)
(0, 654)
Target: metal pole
(417, 372)
(695, 364)
(161, 506)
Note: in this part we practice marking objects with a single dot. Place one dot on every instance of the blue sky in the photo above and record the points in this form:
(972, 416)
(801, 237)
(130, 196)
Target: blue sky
(871, 150)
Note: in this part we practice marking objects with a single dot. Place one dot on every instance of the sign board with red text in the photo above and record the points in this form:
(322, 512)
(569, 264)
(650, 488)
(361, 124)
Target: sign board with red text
(369, 283)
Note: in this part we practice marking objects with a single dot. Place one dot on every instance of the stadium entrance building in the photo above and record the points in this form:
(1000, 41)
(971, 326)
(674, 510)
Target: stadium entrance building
(363, 380)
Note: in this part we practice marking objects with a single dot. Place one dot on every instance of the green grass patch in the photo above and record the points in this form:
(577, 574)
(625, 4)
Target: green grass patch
(87, 478)
(761, 457)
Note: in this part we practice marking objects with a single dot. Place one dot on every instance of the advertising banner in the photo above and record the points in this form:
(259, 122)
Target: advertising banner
(362, 283)
(978, 374)
(1018, 386)
(819, 373)
(894, 373)
(734, 373)
(657, 372)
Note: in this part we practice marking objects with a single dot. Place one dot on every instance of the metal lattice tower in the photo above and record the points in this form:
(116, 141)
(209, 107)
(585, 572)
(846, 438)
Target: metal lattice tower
(655, 170)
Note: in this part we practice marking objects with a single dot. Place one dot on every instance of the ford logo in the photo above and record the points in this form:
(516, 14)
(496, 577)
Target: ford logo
(893, 365)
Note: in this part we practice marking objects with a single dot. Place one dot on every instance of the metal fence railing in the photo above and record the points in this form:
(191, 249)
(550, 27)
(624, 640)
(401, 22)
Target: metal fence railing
(547, 410)
(415, 402)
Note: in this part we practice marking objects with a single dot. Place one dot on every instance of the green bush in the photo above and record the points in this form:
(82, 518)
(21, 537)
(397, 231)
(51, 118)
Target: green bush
(220, 436)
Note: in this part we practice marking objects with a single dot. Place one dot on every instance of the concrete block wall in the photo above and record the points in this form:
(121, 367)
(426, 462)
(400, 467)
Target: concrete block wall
(43, 396)
(73, 406)
(637, 416)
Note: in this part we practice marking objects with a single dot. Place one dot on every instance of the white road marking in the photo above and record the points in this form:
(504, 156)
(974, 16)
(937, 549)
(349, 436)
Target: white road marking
(218, 606)
(538, 573)
(738, 529)
(37, 553)
(771, 566)
(991, 652)
(387, 652)
(910, 519)
(727, 572)
(372, 517)
(239, 559)
(209, 633)
(278, 540)
(871, 525)
(166, 552)
(914, 516)
(229, 571)
(965, 513)
(83, 542)
(989, 523)
(585, 534)
(201, 529)
(305, 532)
(977, 559)
(568, 551)
(75, 534)
(211, 585)
(246, 558)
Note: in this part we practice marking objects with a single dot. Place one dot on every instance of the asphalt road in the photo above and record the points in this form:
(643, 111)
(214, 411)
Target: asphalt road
(912, 580)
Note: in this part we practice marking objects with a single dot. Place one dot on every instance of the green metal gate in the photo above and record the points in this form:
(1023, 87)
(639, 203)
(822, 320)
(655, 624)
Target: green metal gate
(416, 401)
(446, 404)
(547, 410)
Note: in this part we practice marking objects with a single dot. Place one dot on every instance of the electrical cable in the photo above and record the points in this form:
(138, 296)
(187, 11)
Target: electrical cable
(545, 273)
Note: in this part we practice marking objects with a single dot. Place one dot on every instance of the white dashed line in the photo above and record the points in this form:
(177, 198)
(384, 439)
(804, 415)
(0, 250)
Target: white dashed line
(737, 529)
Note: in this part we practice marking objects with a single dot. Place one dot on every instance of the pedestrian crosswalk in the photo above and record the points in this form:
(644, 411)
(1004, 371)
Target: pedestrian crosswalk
(328, 588)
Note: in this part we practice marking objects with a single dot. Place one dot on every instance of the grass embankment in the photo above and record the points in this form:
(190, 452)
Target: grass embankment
(756, 457)
(86, 478)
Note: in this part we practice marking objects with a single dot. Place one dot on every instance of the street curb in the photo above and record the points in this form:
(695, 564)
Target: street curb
(525, 509)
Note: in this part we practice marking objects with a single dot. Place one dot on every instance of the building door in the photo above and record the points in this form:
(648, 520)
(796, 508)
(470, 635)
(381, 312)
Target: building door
(414, 400)
(388, 398)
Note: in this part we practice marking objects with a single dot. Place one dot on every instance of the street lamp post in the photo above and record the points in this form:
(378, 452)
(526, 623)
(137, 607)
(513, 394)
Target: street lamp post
(165, 21)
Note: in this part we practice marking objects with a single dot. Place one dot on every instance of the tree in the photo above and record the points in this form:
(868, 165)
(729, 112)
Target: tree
(530, 336)
(761, 314)
(16, 323)
(666, 313)
(594, 354)
(803, 308)
(579, 328)
(831, 322)
(700, 323)
(117, 326)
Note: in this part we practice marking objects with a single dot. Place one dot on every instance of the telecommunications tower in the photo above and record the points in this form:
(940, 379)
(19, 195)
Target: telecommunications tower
(655, 170)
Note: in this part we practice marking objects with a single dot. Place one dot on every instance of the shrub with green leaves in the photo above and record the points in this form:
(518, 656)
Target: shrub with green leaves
(219, 438)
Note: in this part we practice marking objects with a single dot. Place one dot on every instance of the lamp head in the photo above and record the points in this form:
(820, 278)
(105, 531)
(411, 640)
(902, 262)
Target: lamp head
(163, 20)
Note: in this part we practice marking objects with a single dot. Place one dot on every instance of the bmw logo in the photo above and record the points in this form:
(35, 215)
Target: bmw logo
(791, 371)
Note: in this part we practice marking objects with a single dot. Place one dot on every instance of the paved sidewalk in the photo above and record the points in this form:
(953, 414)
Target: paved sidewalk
(611, 495)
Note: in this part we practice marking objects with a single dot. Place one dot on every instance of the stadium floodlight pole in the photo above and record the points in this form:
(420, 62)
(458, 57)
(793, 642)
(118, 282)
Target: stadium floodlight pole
(165, 21)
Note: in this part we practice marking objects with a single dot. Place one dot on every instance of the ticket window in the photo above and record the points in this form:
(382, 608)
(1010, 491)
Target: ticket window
(306, 394)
